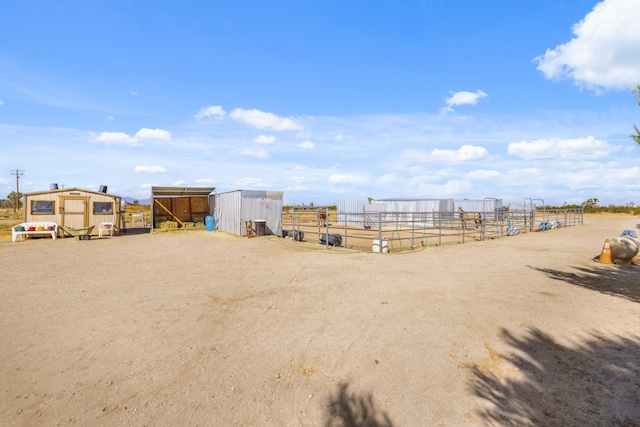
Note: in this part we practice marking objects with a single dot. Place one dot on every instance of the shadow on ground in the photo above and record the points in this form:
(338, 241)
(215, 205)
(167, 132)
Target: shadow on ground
(134, 231)
(353, 410)
(620, 280)
(596, 382)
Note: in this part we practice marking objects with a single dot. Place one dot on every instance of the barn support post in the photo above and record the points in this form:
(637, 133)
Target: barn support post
(463, 225)
(326, 223)
(413, 228)
(346, 228)
(380, 230)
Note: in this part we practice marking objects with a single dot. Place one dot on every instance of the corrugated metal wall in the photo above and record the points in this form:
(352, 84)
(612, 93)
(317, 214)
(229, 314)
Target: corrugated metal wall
(233, 208)
(350, 212)
(488, 206)
(355, 212)
(227, 211)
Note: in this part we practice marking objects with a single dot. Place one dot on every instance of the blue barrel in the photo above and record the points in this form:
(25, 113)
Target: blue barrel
(210, 222)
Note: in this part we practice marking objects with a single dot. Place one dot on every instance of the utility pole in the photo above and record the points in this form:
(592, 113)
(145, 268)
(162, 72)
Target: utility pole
(18, 174)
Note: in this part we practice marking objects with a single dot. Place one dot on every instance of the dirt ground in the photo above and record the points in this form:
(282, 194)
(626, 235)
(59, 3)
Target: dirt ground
(201, 328)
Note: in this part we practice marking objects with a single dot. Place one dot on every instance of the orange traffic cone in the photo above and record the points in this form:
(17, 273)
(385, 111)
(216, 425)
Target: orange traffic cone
(605, 255)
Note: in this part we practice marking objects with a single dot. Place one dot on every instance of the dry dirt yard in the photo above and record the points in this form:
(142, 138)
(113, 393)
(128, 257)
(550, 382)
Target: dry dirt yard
(204, 329)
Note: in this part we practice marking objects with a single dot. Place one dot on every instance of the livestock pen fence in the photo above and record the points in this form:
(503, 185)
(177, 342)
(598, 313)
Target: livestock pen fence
(383, 227)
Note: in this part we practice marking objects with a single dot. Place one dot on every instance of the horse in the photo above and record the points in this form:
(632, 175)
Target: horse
(469, 216)
(322, 217)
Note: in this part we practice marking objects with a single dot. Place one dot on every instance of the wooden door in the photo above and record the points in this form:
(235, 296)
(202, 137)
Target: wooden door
(74, 211)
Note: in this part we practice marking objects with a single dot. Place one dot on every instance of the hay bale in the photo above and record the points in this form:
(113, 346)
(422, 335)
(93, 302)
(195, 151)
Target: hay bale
(188, 225)
(167, 225)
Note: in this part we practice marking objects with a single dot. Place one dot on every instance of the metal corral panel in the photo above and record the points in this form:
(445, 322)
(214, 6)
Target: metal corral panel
(521, 210)
(232, 209)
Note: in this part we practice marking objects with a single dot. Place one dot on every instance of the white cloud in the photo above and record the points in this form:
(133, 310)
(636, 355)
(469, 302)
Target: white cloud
(302, 179)
(264, 139)
(525, 176)
(110, 118)
(121, 138)
(1, 102)
(347, 179)
(261, 154)
(482, 175)
(262, 120)
(114, 138)
(133, 92)
(448, 189)
(297, 188)
(180, 183)
(306, 145)
(145, 133)
(250, 183)
(149, 169)
(461, 98)
(466, 153)
(206, 181)
(587, 148)
(213, 111)
(605, 52)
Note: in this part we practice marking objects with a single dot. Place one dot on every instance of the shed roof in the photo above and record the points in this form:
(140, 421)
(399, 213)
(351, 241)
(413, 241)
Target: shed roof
(257, 194)
(70, 189)
(181, 191)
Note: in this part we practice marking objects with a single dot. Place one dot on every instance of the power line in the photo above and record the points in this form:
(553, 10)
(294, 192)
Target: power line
(18, 173)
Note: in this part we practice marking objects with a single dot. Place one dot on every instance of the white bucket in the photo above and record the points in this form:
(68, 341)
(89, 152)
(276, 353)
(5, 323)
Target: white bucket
(376, 245)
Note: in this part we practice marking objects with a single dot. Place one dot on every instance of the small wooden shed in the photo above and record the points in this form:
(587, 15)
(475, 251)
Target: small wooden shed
(73, 207)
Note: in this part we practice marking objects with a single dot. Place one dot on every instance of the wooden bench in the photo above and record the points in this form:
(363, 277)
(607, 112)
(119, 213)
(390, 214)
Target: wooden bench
(33, 228)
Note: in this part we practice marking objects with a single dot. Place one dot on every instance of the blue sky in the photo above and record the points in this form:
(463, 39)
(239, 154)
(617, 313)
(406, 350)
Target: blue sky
(324, 100)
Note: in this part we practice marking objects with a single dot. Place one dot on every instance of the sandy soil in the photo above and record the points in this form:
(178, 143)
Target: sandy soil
(202, 328)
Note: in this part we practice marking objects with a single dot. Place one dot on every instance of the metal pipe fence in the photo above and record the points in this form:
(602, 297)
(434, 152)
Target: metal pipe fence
(405, 231)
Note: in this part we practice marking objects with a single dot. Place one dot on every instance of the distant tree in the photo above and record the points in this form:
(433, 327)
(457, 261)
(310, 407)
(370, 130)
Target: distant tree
(370, 199)
(636, 136)
(311, 204)
(591, 203)
(11, 197)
